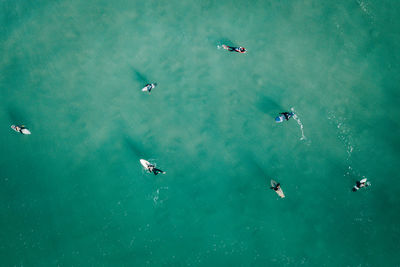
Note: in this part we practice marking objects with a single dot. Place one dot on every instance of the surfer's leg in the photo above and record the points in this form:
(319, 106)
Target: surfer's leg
(159, 171)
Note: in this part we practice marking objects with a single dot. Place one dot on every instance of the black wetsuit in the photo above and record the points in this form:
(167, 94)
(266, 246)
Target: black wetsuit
(20, 129)
(149, 87)
(359, 185)
(287, 115)
(276, 187)
(235, 49)
(155, 170)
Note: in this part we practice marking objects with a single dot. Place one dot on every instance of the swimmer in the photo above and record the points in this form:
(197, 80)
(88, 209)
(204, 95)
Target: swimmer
(284, 116)
(21, 129)
(153, 169)
(148, 87)
(235, 49)
(360, 184)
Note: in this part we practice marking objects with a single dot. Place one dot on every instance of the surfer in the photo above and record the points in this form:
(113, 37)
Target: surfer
(21, 129)
(277, 188)
(284, 116)
(154, 170)
(235, 49)
(148, 87)
(360, 184)
(150, 167)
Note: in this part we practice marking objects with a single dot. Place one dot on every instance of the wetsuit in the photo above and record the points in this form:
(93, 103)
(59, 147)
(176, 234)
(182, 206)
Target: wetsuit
(359, 185)
(155, 170)
(276, 187)
(236, 49)
(287, 115)
(21, 128)
(149, 87)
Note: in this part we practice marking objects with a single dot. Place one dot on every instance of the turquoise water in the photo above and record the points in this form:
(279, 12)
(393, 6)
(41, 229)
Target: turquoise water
(74, 194)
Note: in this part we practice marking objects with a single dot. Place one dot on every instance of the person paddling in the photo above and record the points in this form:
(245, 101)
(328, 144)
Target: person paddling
(239, 49)
(148, 87)
(360, 184)
(284, 116)
(21, 129)
(153, 169)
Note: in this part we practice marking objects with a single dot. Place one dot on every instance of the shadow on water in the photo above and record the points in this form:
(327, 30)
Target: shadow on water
(263, 173)
(225, 41)
(258, 170)
(269, 106)
(16, 116)
(134, 147)
(139, 77)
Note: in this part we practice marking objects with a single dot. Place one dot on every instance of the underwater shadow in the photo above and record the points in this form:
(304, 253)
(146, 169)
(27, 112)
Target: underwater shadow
(16, 116)
(139, 76)
(259, 170)
(269, 106)
(226, 41)
(134, 147)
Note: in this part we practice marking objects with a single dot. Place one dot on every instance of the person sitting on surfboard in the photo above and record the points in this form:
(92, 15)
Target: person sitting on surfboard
(284, 116)
(360, 184)
(154, 170)
(148, 87)
(235, 49)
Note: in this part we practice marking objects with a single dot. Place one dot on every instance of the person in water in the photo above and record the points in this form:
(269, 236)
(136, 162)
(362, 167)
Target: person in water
(235, 49)
(150, 86)
(20, 128)
(154, 170)
(276, 187)
(360, 184)
(284, 116)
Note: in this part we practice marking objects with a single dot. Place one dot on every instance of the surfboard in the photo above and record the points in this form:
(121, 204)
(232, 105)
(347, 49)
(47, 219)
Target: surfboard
(24, 131)
(145, 163)
(279, 191)
(144, 89)
(280, 119)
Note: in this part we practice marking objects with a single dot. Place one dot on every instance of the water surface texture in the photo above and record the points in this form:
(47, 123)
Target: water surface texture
(74, 194)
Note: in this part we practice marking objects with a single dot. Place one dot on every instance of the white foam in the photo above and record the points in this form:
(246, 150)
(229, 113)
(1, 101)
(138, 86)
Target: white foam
(156, 196)
(364, 5)
(296, 118)
(345, 136)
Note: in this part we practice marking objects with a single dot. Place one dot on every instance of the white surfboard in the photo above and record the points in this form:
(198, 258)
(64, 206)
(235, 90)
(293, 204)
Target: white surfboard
(144, 89)
(279, 191)
(24, 131)
(145, 163)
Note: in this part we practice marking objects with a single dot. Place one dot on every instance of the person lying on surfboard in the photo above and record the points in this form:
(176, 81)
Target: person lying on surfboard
(148, 87)
(277, 188)
(154, 170)
(21, 129)
(284, 116)
(235, 49)
(360, 184)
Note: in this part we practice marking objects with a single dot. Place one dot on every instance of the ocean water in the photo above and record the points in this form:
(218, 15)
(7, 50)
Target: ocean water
(74, 194)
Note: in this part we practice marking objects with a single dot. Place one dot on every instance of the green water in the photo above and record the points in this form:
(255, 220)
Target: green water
(74, 194)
